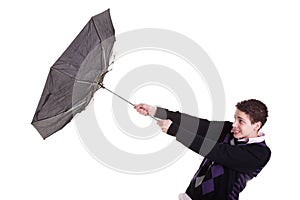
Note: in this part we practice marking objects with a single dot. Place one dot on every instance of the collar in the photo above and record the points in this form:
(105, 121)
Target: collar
(258, 139)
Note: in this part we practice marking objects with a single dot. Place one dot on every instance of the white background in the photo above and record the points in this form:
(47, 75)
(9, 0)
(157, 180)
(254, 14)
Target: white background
(255, 46)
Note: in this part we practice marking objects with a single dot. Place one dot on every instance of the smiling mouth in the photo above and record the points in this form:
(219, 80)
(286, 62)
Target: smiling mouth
(235, 132)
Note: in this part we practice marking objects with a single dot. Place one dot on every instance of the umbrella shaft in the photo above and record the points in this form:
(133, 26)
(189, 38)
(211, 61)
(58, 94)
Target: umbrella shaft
(125, 100)
(118, 96)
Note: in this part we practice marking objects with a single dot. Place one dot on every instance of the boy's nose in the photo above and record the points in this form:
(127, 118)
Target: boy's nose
(234, 125)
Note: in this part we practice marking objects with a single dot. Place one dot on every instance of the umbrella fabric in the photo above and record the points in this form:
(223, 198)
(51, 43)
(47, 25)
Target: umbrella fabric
(75, 76)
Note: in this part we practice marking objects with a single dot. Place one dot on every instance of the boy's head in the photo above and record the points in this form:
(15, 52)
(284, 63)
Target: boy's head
(250, 117)
(257, 110)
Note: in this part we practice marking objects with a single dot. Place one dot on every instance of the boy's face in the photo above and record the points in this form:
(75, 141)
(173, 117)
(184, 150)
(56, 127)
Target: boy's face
(242, 126)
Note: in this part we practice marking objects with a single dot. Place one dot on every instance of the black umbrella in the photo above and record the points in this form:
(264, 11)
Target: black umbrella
(82, 66)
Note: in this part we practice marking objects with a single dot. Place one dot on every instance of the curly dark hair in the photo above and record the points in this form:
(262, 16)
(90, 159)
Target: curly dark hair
(257, 110)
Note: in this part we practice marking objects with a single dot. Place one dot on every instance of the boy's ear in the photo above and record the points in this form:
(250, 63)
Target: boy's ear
(257, 126)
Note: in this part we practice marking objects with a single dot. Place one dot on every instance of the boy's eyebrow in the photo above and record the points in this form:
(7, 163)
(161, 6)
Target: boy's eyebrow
(239, 117)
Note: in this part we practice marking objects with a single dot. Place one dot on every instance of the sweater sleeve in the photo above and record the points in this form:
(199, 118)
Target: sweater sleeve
(246, 158)
(203, 127)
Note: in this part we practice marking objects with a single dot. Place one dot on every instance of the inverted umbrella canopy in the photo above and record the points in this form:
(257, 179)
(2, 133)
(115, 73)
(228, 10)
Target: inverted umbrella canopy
(75, 76)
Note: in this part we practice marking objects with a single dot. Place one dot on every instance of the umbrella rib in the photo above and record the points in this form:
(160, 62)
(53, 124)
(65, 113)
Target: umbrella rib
(77, 80)
(87, 82)
(96, 29)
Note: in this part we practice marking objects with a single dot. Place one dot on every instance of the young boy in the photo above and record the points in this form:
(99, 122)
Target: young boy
(234, 152)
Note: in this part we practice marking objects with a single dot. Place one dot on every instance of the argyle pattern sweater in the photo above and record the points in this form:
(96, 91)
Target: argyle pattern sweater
(227, 164)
